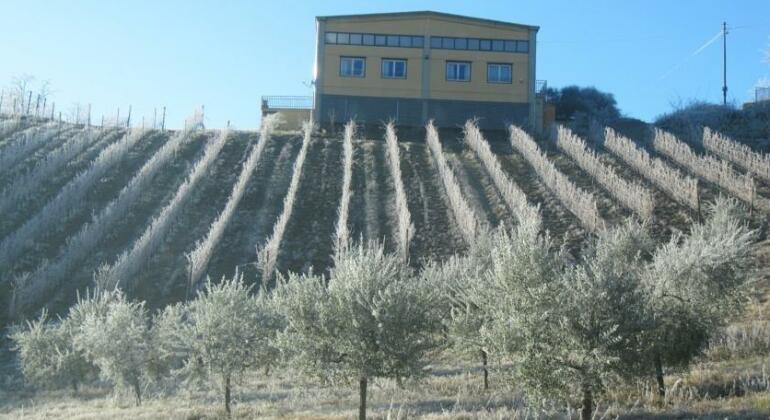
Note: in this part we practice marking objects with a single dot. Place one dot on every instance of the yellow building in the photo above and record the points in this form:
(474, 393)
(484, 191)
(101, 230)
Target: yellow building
(415, 66)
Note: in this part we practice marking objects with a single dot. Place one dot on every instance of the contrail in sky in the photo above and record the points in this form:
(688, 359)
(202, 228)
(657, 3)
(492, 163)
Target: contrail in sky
(694, 53)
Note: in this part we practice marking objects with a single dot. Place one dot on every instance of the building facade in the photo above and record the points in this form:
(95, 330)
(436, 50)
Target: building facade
(412, 67)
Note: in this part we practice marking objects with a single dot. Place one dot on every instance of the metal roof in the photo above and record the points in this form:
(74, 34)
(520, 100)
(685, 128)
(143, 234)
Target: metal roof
(428, 13)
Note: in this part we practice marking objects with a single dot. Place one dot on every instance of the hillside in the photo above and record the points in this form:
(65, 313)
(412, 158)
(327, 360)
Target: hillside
(78, 202)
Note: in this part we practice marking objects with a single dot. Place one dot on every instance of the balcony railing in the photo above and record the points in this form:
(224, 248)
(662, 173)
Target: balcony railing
(540, 87)
(761, 94)
(287, 102)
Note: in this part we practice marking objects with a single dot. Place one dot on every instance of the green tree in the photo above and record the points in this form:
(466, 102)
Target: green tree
(567, 328)
(219, 334)
(118, 343)
(695, 284)
(373, 319)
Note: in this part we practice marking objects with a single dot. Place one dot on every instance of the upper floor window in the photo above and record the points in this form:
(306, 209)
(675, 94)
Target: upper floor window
(393, 68)
(499, 73)
(476, 44)
(458, 71)
(379, 40)
(352, 66)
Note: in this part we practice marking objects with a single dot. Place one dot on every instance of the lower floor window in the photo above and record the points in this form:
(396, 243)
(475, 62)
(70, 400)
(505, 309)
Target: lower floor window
(393, 68)
(352, 66)
(458, 71)
(499, 73)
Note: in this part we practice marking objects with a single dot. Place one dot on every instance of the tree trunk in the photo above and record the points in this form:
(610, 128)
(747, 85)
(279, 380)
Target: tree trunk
(362, 392)
(74, 384)
(138, 393)
(227, 394)
(486, 371)
(588, 404)
(659, 376)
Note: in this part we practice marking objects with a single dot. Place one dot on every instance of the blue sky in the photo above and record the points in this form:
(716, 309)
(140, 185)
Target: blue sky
(226, 54)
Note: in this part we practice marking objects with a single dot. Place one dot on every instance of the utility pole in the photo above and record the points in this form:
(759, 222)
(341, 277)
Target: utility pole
(724, 63)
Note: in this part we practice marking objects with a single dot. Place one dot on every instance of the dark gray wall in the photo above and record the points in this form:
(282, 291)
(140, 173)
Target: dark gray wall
(409, 112)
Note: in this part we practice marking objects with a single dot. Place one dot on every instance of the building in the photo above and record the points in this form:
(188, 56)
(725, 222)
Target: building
(415, 66)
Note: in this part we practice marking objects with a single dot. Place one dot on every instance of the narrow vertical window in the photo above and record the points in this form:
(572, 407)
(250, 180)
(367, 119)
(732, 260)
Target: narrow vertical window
(352, 66)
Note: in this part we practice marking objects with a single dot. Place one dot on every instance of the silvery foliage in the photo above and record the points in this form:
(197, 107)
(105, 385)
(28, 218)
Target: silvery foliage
(459, 279)
(578, 201)
(679, 186)
(630, 194)
(118, 343)
(405, 226)
(9, 125)
(714, 170)
(342, 233)
(697, 282)
(737, 153)
(27, 142)
(68, 198)
(465, 218)
(219, 334)
(513, 196)
(123, 271)
(373, 319)
(564, 327)
(47, 351)
(267, 256)
(48, 275)
(24, 186)
(198, 259)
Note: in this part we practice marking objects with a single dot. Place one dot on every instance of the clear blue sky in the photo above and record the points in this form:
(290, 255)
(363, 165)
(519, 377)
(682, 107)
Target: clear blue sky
(226, 54)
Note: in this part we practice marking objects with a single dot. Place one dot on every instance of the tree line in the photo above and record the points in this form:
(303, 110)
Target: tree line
(564, 328)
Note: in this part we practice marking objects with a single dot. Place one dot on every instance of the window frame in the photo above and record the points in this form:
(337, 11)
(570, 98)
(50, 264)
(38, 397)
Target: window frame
(446, 70)
(499, 82)
(352, 67)
(394, 60)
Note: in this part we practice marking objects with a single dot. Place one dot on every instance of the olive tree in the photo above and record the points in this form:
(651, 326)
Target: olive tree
(46, 348)
(695, 283)
(373, 319)
(117, 342)
(464, 320)
(218, 335)
(567, 328)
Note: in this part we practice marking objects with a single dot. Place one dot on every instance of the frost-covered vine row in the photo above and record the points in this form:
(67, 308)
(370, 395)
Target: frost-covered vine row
(8, 126)
(740, 154)
(715, 170)
(30, 183)
(27, 142)
(513, 196)
(198, 259)
(122, 272)
(405, 226)
(581, 203)
(84, 242)
(466, 219)
(268, 255)
(679, 186)
(342, 233)
(631, 194)
(68, 200)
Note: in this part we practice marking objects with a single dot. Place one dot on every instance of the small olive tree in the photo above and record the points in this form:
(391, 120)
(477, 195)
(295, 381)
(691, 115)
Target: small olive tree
(567, 328)
(46, 349)
(218, 335)
(118, 343)
(464, 320)
(373, 319)
(695, 283)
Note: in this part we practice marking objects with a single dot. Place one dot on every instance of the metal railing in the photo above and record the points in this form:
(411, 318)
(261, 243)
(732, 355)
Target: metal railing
(540, 87)
(761, 94)
(287, 102)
